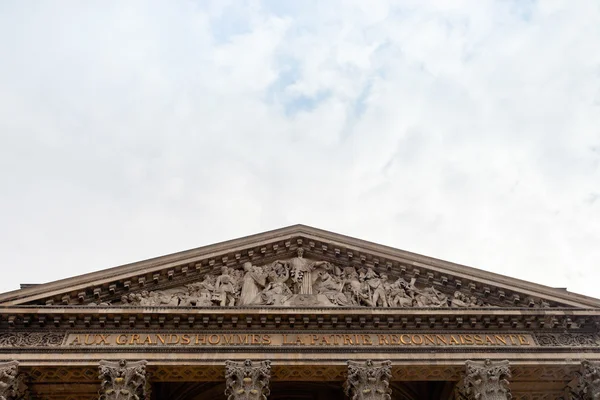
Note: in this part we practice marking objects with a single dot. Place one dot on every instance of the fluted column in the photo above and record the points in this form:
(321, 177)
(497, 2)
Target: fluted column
(588, 381)
(369, 380)
(123, 380)
(12, 385)
(247, 380)
(486, 380)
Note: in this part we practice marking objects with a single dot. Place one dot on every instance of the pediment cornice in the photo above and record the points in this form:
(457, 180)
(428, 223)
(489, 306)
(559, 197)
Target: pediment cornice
(190, 266)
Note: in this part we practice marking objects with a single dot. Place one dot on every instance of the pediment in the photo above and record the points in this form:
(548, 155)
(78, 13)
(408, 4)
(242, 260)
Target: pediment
(266, 270)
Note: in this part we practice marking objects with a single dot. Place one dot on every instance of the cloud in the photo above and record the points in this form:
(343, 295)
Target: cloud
(463, 130)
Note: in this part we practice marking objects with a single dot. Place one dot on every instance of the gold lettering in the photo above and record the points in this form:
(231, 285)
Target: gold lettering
(512, 339)
(402, 339)
(367, 340)
(468, 339)
(394, 339)
(440, 338)
(324, 340)
(214, 339)
(414, 341)
(245, 339)
(75, 342)
(299, 341)
(122, 339)
(314, 339)
(453, 340)
(173, 339)
(103, 339)
(87, 341)
(160, 338)
(499, 339)
(228, 339)
(185, 339)
(489, 340)
(462, 339)
(347, 339)
(200, 339)
(148, 340)
(266, 339)
(523, 340)
(478, 339)
(383, 339)
(285, 339)
(135, 339)
(430, 339)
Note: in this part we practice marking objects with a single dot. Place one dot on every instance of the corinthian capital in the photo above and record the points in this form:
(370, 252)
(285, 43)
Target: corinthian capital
(123, 380)
(588, 381)
(12, 385)
(369, 380)
(247, 381)
(487, 380)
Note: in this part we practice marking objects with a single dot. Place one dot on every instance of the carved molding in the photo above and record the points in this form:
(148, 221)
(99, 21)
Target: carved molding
(12, 385)
(568, 339)
(247, 380)
(486, 380)
(31, 339)
(369, 380)
(123, 380)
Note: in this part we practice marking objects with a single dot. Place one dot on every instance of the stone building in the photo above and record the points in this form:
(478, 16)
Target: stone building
(297, 313)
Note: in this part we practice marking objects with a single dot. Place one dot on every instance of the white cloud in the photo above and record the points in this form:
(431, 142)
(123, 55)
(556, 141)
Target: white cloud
(465, 130)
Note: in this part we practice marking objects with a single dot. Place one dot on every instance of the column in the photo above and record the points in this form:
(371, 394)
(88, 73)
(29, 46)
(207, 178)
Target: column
(12, 384)
(486, 380)
(369, 380)
(124, 380)
(588, 381)
(247, 380)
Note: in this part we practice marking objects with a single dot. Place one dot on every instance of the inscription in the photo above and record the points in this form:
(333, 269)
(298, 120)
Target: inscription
(224, 339)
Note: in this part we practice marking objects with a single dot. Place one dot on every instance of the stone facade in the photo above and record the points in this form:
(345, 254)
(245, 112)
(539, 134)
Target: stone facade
(329, 312)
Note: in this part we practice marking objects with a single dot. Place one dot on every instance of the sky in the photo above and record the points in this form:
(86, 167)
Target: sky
(463, 130)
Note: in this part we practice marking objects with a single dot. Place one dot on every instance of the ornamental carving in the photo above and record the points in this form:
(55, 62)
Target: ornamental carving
(28, 339)
(302, 282)
(12, 385)
(247, 381)
(588, 381)
(369, 380)
(486, 380)
(123, 380)
(568, 339)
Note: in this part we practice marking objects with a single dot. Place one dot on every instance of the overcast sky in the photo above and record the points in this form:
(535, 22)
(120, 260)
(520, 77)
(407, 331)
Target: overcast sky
(463, 130)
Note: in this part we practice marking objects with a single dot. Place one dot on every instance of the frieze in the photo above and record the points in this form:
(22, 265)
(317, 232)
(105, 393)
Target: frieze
(568, 339)
(301, 282)
(31, 339)
(322, 340)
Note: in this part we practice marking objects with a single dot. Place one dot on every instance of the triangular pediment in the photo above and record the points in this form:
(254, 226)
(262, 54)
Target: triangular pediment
(266, 270)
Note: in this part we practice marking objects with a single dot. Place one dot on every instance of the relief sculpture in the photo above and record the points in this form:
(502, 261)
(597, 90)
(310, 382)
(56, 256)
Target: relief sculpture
(299, 282)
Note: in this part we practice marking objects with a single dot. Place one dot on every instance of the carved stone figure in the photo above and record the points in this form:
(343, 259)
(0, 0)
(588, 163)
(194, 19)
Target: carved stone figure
(254, 282)
(302, 271)
(247, 381)
(430, 297)
(277, 292)
(369, 380)
(123, 380)
(487, 380)
(12, 385)
(331, 286)
(306, 283)
(588, 381)
(225, 289)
